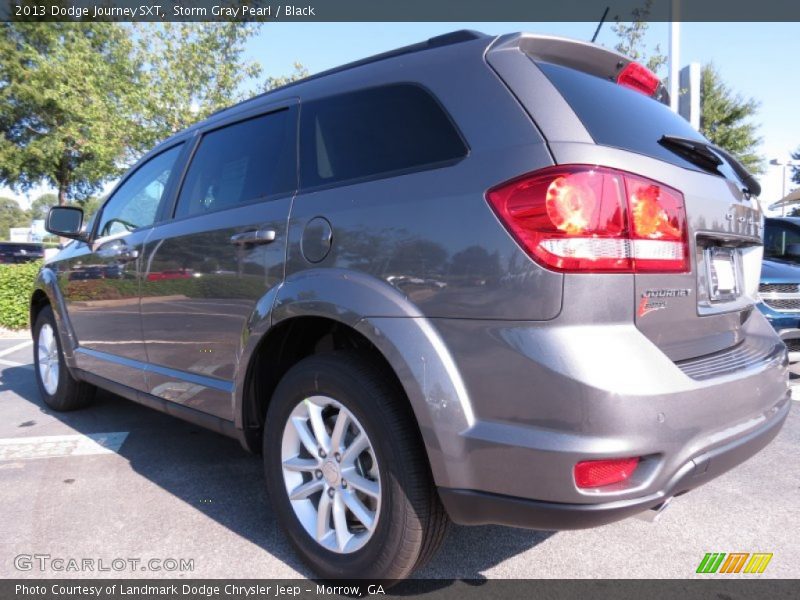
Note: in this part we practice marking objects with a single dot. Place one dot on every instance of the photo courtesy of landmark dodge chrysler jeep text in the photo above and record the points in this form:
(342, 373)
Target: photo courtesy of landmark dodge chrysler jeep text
(477, 279)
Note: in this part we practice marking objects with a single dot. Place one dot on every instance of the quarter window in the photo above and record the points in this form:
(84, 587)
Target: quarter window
(135, 204)
(373, 132)
(241, 163)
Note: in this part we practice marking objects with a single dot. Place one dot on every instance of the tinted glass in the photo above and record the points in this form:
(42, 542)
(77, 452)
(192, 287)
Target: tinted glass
(618, 116)
(135, 204)
(373, 132)
(778, 237)
(240, 163)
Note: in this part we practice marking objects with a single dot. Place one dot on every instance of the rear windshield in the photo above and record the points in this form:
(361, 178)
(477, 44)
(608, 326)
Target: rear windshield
(620, 117)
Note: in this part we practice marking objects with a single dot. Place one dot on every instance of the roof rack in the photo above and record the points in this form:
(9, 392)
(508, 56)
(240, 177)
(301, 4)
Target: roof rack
(447, 39)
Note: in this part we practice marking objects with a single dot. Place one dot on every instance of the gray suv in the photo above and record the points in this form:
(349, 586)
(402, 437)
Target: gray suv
(477, 279)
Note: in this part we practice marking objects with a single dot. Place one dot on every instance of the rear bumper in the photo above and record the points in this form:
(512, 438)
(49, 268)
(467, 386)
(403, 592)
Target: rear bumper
(545, 396)
(473, 507)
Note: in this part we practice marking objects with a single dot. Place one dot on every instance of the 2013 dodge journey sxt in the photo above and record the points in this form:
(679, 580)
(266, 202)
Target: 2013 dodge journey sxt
(477, 279)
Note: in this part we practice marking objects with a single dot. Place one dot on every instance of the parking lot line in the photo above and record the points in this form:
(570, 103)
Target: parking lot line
(13, 349)
(51, 446)
(11, 363)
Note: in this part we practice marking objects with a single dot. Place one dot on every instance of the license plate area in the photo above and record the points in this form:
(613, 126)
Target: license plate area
(722, 265)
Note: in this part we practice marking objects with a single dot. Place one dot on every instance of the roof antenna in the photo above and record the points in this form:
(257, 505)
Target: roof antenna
(600, 24)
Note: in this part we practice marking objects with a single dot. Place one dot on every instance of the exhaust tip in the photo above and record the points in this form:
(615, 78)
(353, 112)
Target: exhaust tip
(652, 515)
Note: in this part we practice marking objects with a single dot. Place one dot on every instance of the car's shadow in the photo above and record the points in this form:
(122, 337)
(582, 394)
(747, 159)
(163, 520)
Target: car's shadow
(216, 476)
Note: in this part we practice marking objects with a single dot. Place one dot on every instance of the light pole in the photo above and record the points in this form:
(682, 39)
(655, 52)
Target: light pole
(674, 54)
(783, 164)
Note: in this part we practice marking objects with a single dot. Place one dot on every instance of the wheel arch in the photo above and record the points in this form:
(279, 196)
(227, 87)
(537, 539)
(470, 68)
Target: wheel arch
(279, 349)
(47, 293)
(39, 300)
(328, 309)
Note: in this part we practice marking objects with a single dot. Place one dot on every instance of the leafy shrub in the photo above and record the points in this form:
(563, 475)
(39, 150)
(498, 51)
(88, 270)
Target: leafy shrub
(16, 285)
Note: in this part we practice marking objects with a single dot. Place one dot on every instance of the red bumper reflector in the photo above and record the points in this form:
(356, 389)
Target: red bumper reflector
(598, 473)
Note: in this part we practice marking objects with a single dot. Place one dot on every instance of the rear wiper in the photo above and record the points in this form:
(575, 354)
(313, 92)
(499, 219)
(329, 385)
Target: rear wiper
(707, 157)
(741, 172)
(694, 151)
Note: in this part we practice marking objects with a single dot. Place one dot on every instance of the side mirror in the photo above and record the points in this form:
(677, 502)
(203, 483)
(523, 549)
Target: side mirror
(65, 221)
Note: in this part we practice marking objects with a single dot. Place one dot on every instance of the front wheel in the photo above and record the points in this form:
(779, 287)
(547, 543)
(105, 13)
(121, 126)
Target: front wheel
(59, 390)
(347, 472)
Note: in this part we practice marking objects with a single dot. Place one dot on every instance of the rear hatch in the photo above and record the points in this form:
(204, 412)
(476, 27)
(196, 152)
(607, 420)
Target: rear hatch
(570, 89)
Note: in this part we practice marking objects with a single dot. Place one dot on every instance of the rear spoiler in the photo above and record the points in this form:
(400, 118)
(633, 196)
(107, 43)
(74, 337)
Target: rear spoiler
(576, 54)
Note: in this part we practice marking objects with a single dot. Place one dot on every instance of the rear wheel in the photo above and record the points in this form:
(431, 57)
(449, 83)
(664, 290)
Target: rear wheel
(59, 389)
(346, 471)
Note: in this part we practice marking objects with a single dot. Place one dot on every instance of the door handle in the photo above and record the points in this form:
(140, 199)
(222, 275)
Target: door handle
(118, 250)
(259, 236)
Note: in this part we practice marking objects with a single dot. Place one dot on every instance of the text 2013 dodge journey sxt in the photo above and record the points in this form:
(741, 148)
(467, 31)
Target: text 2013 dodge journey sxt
(477, 279)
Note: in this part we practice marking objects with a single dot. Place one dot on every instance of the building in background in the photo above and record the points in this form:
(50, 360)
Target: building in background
(35, 233)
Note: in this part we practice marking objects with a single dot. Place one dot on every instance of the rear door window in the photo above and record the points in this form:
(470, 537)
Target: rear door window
(373, 133)
(245, 162)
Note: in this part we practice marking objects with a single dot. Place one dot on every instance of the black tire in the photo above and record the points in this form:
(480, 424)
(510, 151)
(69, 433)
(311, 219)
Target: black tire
(70, 394)
(411, 522)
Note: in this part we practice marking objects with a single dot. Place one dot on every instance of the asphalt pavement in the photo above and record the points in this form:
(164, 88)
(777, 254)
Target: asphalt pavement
(120, 482)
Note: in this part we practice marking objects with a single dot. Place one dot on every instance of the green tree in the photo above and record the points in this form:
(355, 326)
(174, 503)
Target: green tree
(632, 42)
(725, 116)
(41, 205)
(90, 206)
(80, 101)
(726, 119)
(11, 215)
(189, 70)
(299, 72)
(65, 105)
(796, 170)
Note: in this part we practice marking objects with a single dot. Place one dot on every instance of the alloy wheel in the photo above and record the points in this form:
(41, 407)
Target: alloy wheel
(331, 474)
(47, 353)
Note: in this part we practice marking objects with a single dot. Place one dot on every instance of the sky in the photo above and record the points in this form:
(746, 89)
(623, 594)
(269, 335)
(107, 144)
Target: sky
(757, 60)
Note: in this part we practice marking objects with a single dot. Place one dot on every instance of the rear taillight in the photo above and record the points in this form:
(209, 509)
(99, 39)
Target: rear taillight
(595, 219)
(640, 78)
(599, 473)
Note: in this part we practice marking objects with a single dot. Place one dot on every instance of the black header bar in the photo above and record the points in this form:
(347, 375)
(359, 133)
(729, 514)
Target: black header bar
(395, 10)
